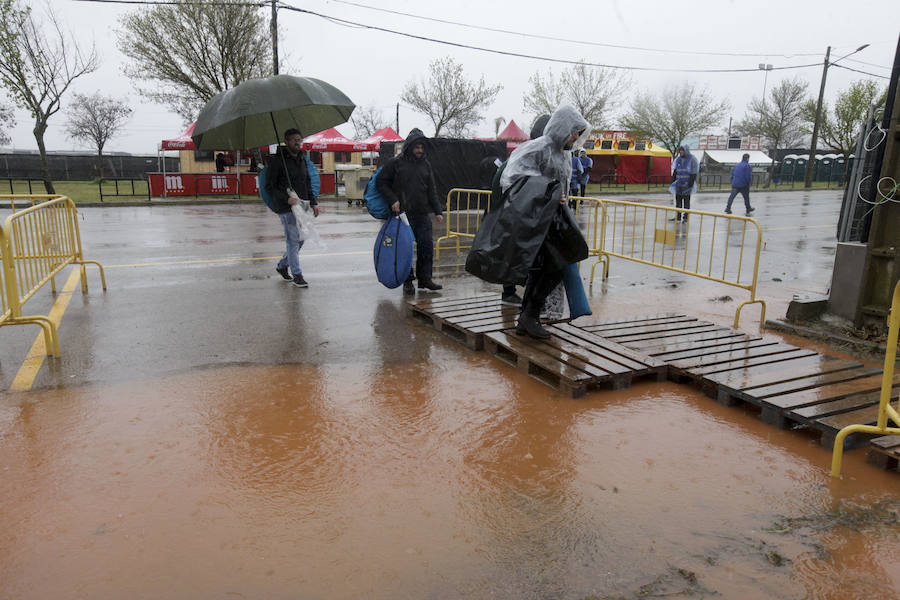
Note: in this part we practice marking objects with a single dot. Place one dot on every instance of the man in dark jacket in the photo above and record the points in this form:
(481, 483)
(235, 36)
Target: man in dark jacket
(741, 176)
(407, 182)
(288, 183)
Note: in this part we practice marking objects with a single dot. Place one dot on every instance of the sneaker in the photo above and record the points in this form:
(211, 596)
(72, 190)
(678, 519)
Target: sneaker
(673, 219)
(299, 281)
(727, 211)
(283, 271)
(430, 285)
(513, 299)
(750, 210)
(409, 288)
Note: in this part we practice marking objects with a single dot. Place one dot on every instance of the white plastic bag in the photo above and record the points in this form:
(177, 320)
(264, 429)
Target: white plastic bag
(306, 226)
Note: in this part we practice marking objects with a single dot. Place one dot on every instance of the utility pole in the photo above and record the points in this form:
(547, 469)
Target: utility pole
(811, 163)
(274, 31)
(398, 119)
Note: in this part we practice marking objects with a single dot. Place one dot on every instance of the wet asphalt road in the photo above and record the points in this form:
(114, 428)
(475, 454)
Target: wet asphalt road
(193, 286)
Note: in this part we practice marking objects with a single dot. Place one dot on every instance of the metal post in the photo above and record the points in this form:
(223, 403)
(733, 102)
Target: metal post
(815, 133)
(274, 31)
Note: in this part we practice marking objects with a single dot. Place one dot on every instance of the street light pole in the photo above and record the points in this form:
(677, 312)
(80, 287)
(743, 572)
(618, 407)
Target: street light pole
(765, 67)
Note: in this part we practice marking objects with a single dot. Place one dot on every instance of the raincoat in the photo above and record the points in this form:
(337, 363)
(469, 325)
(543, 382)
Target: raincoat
(682, 169)
(530, 215)
(409, 180)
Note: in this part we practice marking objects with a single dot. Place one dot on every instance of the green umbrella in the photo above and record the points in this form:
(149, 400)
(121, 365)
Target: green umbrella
(257, 112)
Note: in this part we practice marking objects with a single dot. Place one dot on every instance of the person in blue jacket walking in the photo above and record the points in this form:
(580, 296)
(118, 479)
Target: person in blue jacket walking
(741, 175)
(684, 180)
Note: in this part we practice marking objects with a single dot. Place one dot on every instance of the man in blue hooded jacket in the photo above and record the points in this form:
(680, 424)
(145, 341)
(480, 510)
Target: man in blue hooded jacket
(741, 176)
(684, 180)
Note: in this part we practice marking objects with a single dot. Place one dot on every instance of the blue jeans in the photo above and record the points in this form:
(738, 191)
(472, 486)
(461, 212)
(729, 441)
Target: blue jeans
(293, 243)
(743, 191)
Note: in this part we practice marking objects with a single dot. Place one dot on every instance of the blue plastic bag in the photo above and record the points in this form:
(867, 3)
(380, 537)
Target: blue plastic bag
(393, 252)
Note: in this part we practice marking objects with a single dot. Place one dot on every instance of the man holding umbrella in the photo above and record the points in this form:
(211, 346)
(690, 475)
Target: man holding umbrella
(288, 182)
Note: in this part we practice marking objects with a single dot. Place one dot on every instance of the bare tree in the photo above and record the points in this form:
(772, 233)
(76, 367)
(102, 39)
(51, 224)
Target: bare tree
(678, 111)
(95, 119)
(7, 120)
(588, 89)
(448, 98)
(840, 127)
(366, 120)
(778, 121)
(546, 94)
(37, 67)
(189, 51)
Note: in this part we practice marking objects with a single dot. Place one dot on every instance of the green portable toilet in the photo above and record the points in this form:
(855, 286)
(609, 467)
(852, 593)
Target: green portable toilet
(800, 168)
(787, 167)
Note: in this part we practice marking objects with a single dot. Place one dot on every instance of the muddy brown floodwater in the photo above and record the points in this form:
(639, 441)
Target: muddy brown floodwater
(457, 478)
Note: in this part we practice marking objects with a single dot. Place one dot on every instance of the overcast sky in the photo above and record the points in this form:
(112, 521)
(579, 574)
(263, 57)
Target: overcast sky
(372, 67)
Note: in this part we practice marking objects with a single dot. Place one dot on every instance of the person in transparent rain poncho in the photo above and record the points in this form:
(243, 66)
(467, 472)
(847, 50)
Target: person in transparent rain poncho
(549, 155)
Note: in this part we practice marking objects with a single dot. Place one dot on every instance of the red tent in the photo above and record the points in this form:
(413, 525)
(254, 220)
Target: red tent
(182, 142)
(382, 135)
(513, 133)
(331, 140)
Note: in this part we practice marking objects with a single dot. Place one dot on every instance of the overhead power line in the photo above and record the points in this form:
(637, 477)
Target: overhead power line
(559, 39)
(858, 71)
(348, 23)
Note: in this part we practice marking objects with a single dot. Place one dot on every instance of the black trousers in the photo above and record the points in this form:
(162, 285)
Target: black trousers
(542, 279)
(682, 201)
(421, 228)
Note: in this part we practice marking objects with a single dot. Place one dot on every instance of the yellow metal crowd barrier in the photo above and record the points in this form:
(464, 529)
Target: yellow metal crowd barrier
(462, 217)
(886, 412)
(36, 243)
(713, 246)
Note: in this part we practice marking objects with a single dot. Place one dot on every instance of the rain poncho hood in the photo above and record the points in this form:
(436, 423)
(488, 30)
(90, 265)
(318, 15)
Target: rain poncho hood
(547, 155)
(683, 168)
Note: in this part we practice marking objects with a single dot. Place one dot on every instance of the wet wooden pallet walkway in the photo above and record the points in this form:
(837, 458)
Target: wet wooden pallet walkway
(572, 361)
(792, 387)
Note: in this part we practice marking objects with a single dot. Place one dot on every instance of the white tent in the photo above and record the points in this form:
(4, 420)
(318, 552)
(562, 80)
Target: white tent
(733, 157)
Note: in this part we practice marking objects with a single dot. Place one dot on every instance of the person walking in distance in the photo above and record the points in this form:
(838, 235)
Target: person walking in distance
(288, 182)
(587, 163)
(407, 182)
(741, 176)
(684, 180)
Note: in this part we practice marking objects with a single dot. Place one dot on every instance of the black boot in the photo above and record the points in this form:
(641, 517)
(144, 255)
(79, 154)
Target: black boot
(529, 325)
(529, 322)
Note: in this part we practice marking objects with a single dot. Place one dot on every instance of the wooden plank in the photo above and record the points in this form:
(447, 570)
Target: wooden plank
(750, 362)
(444, 301)
(451, 311)
(834, 407)
(703, 349)
(651, 331)
(656, 347)
(613, 327)
(498, 325)
(862, 416)
(666, 336)
(620, 320)
(608, 366)
(731, 356)
(888, 442)
(817, 380)
(834, 391)
(481, 316)
(768, 375)
(609, 345)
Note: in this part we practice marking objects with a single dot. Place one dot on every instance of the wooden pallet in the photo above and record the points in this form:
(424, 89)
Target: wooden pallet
(573, 360)
(465, 319)
(884, 452)
(792, 387)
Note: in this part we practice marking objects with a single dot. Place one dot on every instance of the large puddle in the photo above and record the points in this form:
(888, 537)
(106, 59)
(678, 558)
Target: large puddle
(466, 480)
